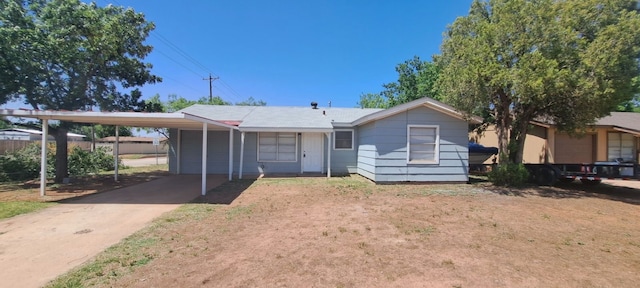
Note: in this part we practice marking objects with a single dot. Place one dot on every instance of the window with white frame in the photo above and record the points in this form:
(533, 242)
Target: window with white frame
(423, 144)
(343, 140)
(277, 147)
(620, 146)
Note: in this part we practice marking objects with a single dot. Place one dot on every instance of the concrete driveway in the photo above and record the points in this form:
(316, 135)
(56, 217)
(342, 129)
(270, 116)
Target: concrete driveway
(37, 247)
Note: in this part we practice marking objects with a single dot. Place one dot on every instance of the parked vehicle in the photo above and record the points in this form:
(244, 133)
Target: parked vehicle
(549, 174)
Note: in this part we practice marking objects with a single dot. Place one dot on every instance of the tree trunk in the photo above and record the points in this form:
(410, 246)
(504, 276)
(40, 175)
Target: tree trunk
(503, 125)
(60, 134)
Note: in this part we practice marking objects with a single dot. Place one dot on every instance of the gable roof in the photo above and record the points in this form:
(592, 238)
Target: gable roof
(425, 101)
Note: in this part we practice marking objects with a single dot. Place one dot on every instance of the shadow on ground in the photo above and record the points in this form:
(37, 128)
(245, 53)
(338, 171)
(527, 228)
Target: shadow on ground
(225, 193)
(569, 190)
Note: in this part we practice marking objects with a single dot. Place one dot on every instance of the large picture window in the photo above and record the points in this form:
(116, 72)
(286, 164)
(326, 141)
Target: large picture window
(343, 140)
(277, 147)
(423, 144)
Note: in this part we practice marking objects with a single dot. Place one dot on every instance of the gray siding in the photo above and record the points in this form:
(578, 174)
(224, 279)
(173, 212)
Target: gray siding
(218, 154)
(344, 161)
(382, 154)
(367, 150)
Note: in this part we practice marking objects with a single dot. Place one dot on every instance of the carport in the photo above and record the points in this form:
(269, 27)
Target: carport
(178, 120)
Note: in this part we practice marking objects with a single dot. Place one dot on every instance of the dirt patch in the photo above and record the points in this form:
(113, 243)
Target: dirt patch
(350, 233)
(80, 186)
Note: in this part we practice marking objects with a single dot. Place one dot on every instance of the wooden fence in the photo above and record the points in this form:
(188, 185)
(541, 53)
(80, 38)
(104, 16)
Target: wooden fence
(10, 146)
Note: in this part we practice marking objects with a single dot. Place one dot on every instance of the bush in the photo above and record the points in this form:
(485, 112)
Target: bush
(25, 163)
(509, 174)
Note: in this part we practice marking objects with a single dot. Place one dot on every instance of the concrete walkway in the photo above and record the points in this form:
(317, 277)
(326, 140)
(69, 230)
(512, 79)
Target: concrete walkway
(37, 247)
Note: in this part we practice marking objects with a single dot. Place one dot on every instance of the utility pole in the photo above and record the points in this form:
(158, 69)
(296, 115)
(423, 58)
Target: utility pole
(211, 86)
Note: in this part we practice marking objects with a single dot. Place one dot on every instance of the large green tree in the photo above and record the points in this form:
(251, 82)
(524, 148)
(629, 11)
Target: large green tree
(70, 55)
(416, 79)
(569, 62)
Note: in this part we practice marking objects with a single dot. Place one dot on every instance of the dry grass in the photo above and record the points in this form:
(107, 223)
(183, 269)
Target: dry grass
(347, 232)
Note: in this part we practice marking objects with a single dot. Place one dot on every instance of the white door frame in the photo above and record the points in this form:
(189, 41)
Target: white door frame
(318, 137)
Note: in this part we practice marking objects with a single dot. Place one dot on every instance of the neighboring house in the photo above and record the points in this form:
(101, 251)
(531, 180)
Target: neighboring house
(33, 135)
(423, 140)
(135, 144)
(612, 138)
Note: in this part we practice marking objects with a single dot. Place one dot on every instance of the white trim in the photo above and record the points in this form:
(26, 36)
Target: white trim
(43, 157)
(203, 189)
(343, 130)
(286, 130)
(116, 151)
(436, 148)
(230, 154)
(242, 155)
(329, 153)
(178, 152)
(277, 139)
(425, 101)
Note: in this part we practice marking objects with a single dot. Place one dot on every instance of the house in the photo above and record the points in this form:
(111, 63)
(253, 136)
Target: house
(423, 140)
(611, 138)
(33, 135)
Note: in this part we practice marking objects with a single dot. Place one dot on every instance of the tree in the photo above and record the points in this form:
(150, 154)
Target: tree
(251, 102)
(416, 79)
(102, 131)
(569, 62)
(70, 55)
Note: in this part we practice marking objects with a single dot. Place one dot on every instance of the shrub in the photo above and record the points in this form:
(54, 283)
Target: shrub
(509, 174)
(25, 163)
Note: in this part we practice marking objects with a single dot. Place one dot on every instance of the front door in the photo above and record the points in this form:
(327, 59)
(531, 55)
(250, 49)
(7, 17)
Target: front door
(312, 152)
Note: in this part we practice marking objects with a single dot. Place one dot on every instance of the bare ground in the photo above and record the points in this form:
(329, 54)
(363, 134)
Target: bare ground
(316, 232)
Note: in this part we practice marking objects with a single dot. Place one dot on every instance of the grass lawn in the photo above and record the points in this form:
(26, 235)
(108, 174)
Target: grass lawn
(348, 232)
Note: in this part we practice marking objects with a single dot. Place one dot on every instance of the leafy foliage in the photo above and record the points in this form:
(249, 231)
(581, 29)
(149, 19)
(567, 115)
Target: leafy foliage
(569, 62)
(25, 164)
(251, 102)
(102, 131)
(416, 79)
(72, 55)
(509, 174)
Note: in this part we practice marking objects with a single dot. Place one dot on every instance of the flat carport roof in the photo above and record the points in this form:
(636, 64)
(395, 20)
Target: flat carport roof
(178, 120)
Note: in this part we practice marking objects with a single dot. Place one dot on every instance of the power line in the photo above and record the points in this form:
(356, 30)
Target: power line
(185, 55)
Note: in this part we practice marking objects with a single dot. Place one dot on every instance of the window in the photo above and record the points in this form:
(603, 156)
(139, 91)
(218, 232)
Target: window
(621, 145)
(277, 147)
(423, 144)
(343, 140)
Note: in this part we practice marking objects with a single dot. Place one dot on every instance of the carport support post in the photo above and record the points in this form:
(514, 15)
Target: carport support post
(43, 157)
(116, 152)
(204, 159)
(241, 155)
(230, 154)
(329, 154)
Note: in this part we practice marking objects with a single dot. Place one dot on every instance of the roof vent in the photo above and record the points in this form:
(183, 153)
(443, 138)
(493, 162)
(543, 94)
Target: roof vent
(314, 105)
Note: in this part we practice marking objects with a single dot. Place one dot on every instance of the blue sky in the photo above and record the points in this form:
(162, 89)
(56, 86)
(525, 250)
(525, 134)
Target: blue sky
(288, 53)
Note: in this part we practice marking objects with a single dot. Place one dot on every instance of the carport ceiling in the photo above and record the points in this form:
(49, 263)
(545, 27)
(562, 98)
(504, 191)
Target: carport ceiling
(134, 119)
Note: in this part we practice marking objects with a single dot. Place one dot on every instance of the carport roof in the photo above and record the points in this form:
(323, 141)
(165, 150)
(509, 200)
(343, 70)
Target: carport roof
(135, 119)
